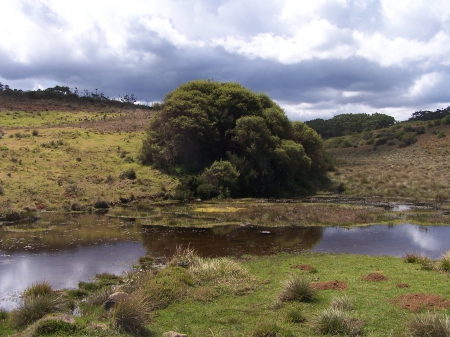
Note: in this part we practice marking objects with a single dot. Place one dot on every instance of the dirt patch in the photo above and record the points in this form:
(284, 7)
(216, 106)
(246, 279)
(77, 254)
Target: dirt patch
(305, 267)
(329, 285)
(403, 285)
(418, 301)
(374, 277)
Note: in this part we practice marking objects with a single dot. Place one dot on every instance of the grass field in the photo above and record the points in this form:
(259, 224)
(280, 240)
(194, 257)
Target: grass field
(223, 297)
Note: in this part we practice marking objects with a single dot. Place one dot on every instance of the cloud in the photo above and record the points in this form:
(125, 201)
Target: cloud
(316, 58)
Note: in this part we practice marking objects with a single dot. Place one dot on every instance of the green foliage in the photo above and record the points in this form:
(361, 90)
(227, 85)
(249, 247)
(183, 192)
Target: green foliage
(233, 143)
(55, 327)
(338, 322)
(38, 288)
(130, 314)
(441, 134)
(128, 174)
(265, 329)
(347, 124)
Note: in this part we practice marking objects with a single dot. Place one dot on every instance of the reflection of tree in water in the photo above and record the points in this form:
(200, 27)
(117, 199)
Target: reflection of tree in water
(230, 240)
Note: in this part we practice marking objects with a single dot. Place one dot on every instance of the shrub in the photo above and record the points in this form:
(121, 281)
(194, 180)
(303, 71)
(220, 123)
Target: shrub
(75, 206)
(444, 262)
(101, 204)
(413, 258)
(130, 314)
(429, 324)
(297, 288)
(2, 190)
(55, 327)
(336, 322)
(99, 296)
(35, 133)
(445, 120)
(32, 308)
(381, 141)
(3, 314)
(441, 134)
(128, 174)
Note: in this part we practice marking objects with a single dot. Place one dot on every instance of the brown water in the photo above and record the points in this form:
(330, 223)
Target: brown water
(66, 249)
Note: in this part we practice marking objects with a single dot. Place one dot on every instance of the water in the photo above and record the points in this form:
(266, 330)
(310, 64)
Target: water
(64, 250)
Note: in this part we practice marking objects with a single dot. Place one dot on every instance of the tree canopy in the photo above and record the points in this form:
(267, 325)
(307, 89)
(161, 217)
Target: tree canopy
(225, 140)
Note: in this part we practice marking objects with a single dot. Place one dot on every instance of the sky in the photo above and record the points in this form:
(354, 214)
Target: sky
(315, 58)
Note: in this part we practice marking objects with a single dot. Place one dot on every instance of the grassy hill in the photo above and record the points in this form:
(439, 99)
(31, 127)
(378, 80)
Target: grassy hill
(409, 160)
(56, 155)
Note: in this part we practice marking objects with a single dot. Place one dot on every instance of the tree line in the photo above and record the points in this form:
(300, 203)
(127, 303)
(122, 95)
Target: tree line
(427, 115)
(66, 93)
(347, 124)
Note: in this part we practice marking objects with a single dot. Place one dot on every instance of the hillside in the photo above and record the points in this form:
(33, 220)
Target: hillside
(67, 155)
(406, 161)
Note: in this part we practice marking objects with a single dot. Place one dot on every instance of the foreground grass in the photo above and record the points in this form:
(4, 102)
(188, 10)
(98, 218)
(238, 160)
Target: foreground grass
(223, 297)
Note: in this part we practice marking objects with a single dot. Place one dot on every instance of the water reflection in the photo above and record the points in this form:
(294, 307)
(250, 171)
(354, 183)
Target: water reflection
(231, 240)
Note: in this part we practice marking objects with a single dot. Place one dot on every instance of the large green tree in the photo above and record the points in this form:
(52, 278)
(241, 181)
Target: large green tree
(232, 142)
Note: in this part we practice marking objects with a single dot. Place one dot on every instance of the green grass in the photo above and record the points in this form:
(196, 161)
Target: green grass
(225, 297)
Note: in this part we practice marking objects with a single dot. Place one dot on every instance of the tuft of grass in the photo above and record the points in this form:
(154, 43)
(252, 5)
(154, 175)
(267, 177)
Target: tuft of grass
(184, 257)
(32, 308)
(295, 316)
(413, 258)
(336, 322)
(269, 330)
(297, 288)
(38, 288)
(130, 314)
(55, 327)
(444, 262)
(429, 324)
(99, 296)
(342, 303)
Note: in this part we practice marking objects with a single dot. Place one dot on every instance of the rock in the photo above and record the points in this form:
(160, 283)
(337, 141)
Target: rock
(113, 299)
(174, 334)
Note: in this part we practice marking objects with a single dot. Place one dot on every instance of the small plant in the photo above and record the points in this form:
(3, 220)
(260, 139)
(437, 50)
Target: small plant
(184, 257)
(413, 258)
(295, 316)
(128, 174)
(32, 308)
(429, 324)
(101, 204)
(2, 190)
(343, 303)
(444, 262)
(99, 296)
(336, 322)
(35, 133)
(297, 288)
(54, 327)
(3, 314)
(441, 134)
(269, 330)
(38, 288)
(130, 314)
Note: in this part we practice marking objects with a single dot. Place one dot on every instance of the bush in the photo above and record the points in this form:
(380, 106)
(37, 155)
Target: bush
(297, 288)
(441, 134)
(55, 327)
(445, 120)
(101, 204)
(429, 324)
(128, 174)
(184, 257)
(2, 190)
(3, 314)
(336, 322)
(295, 316)
(35, 133)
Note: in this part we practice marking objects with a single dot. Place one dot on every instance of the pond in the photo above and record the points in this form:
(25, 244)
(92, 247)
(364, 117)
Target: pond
(65, 249)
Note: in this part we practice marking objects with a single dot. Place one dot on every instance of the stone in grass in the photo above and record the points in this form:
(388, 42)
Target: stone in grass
(113, 299)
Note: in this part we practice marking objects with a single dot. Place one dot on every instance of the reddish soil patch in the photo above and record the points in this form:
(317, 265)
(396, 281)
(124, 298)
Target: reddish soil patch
(374, 277)
(418, 301)
(305, 267)
(329, 285)
(402, 285)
